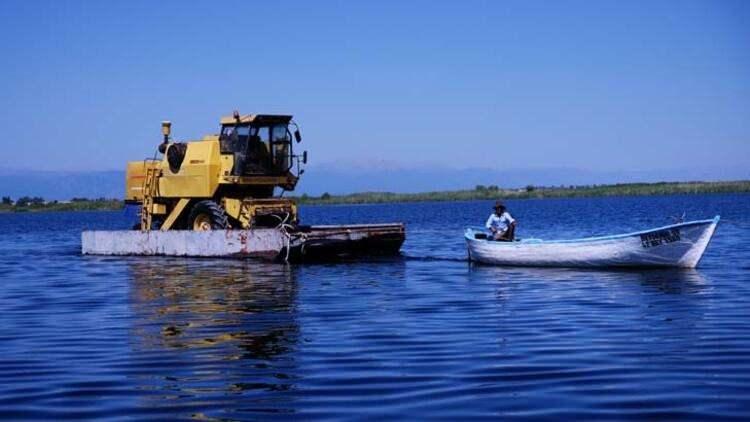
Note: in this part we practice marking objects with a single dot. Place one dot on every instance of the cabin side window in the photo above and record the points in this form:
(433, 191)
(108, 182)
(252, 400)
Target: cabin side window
(281, 142)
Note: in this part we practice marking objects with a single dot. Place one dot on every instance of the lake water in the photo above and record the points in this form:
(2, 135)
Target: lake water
(420, 336)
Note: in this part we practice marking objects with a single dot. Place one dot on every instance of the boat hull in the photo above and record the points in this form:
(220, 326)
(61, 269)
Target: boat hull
(679, 245)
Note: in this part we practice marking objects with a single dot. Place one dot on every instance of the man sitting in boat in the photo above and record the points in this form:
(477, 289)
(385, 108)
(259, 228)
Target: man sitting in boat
(501, 225)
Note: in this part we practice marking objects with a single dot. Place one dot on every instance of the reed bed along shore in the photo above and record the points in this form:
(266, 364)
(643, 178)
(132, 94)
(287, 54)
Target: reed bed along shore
(481, 192)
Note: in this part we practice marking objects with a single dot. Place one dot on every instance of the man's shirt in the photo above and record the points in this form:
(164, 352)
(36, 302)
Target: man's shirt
(500, 222)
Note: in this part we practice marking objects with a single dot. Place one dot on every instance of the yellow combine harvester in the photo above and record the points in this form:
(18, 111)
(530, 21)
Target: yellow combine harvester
(227, 182)
(223, 181)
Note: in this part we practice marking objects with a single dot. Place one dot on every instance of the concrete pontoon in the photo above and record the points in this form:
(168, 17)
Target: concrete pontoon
(300, 244)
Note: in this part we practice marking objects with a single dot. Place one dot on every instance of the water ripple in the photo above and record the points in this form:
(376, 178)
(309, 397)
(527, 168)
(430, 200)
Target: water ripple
(422, 336)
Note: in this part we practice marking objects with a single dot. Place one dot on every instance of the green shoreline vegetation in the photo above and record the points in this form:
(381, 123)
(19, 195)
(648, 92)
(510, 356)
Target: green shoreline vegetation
(37, 204)
(491, 192)
(480, 192)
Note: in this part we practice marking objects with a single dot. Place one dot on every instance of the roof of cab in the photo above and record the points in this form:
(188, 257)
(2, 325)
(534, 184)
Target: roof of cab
(257, 119)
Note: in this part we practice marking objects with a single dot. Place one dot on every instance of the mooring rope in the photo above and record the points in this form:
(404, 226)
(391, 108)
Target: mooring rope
(284, 228)
(743, 224)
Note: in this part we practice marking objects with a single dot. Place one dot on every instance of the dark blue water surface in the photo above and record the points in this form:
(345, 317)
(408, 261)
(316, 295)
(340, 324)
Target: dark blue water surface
(425, 335)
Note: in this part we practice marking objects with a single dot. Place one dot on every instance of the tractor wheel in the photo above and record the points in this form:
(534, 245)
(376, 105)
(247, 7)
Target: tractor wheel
(207, 215)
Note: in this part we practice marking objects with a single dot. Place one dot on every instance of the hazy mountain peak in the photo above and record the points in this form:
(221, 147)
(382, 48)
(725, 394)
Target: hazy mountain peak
(375, 176)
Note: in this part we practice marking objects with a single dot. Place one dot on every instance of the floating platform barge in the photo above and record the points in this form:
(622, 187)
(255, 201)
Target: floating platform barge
(300, 244)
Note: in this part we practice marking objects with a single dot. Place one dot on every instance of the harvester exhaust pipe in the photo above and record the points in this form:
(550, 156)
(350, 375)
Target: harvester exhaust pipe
(166, 130)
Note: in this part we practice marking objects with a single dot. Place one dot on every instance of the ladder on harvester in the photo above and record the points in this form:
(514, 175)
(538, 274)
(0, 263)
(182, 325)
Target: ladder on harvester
(150, 187)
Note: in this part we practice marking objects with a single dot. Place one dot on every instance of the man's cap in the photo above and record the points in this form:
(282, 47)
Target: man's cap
(499, 204)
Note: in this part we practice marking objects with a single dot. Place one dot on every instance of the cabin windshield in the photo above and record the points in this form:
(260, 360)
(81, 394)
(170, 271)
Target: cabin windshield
(258, 149)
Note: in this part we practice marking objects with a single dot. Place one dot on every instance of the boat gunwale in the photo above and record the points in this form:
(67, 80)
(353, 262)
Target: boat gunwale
(470, 230)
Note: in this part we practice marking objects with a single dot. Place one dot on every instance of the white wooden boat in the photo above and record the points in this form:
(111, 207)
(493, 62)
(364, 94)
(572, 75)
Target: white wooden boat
(678, 245)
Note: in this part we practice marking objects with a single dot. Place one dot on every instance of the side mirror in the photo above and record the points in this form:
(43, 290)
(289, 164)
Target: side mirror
(297, 136)
(304, 157)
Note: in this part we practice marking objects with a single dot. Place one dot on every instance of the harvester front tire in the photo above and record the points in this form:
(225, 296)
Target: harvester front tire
(207, 215)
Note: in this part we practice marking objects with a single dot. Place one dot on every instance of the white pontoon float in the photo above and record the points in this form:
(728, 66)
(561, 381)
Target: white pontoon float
(678, 245)
(302, 243)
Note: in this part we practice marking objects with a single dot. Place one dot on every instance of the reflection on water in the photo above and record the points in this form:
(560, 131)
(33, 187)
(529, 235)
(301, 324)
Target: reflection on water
(225, 326)
(668, 280)
(677, 281)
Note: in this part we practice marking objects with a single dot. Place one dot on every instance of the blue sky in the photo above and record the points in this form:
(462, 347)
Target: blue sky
(636, 86)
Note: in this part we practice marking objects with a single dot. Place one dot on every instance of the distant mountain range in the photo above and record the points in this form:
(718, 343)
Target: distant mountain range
(62, 185)
(426, 179)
